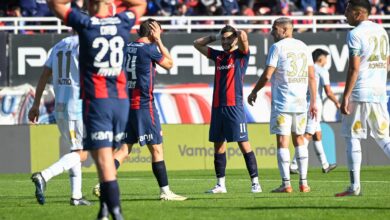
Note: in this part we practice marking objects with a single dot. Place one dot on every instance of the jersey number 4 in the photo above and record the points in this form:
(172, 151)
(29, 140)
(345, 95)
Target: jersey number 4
(130, 65)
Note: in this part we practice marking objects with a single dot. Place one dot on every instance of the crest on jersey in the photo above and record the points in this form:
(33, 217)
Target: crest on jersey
(130, 15)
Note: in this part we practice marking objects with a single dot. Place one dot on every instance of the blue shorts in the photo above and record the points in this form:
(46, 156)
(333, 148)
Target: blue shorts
(105, 122)
(228, 123)
(144, 127)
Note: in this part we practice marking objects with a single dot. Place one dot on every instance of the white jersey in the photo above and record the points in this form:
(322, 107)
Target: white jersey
(322, 79)
(291, 58)
(63, 60)
(370, 41)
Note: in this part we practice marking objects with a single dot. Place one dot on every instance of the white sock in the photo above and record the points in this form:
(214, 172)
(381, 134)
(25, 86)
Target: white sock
(221, 181)
(319, 149)
(283, 156)
(63, 164)
(75, 177)
(165, 189)
(255, 180)
(303, 163)
(354, 158)
(294, 164)
(385, 145)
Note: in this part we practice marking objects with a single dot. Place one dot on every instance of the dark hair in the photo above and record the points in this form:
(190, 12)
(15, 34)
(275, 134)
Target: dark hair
(319, 52)
(361, 3)
(144, 28)
(229, 28)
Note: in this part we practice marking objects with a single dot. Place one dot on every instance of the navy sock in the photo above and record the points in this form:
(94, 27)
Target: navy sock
(117, 164)
(220, 164)
(160, 172)
(251, 164)
(110, 196)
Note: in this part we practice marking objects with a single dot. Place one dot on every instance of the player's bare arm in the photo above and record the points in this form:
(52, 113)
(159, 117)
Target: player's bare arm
(243, 43)
(201, 43)
(264, 78)
(59, 7)
(352, 75)
(313, 92)
(167, 62)
(329, 93)
(33, 114)
(137, 6)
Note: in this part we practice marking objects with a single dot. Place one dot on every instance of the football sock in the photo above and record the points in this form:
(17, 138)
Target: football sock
(319, 149)
(283, 156)
(117, 164)
(255, 180)
(220, 164)
(385, 145)
(251, 164)
(63, 164)
(303, 162)
(221, 181)
(110, 195)
(354, 159)
(75, 176)
(160, 172)
(294, 164)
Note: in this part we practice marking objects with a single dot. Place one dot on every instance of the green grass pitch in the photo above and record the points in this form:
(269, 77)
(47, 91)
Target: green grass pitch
(139, 193)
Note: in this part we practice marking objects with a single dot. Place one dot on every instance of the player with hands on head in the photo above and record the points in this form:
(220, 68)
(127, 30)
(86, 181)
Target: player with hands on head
(228, 120)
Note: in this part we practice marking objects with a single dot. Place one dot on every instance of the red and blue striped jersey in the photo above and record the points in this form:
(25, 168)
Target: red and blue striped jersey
(230, 68)
(101, 56)
(140, 61)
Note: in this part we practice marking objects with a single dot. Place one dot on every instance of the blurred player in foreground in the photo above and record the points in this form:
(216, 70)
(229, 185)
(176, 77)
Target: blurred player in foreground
(103, 37)
(290, 69)
(313, 127)
(62, 65)
(143, 125)
(365, 99)
(228, 120)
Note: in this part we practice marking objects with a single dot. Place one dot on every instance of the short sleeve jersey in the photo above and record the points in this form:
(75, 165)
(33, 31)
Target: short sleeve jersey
(291, 58)
(141, 59)
(102, 44)
(63, 61)
(322, 79)
(371, 42)
(230, 68)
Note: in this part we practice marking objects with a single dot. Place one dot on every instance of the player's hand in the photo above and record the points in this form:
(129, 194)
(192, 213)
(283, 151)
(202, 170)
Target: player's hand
(313, 110)
(252, 98)
(156, 31)
(344, 107)
(33, 114)
(338, 105)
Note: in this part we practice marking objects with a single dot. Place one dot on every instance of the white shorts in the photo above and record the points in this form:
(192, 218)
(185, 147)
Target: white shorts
(72, 132)
(375, 114)
(285, 123)
(314, 124)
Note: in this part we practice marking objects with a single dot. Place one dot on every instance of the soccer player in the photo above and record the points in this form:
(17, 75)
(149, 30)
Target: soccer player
(144, 123)
(228, 120)
(313, 127)
(62, 65)
(290, 69)
(364, 99)
(103, 38)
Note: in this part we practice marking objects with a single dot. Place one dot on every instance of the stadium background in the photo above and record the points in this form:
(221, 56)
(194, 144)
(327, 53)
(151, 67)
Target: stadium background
(183, 97)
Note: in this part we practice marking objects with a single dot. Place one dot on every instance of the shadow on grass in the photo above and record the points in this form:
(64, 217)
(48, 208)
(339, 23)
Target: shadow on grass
(287, 208)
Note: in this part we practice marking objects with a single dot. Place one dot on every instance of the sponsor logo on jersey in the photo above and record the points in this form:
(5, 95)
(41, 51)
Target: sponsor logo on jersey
(110, 71)
(225, 67)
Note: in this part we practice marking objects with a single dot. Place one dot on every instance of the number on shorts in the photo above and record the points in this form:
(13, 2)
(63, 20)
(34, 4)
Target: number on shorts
(242, 128)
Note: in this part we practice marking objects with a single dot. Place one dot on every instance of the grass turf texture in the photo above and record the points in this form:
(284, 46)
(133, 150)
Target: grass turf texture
(139, 195)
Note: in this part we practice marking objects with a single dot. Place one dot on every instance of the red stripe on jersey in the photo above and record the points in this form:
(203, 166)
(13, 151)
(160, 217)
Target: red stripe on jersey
(217, 83)
(99, 82)
(67, 16)
(152, 115)
(230, 83)
(151, 74)
(121, 85)
(204, 107)
(183, 107)
(135, 99)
